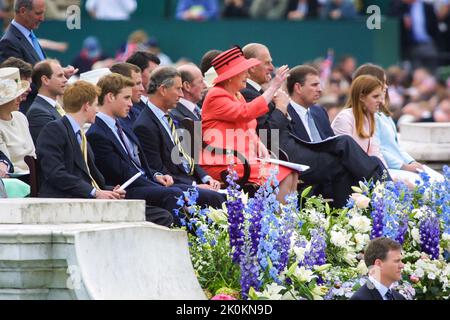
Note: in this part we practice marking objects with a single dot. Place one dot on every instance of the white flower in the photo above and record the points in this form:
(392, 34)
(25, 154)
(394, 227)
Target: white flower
(378, 190)
(431, 276)
(304, 275)
(415, 235)
(340, 238)
(361, 201)
(300, 253)
(218, 216)
(362, 268)
(361, 241)
(318, 292)
(419, 272)
(350, 258)
(419, 213)
(360, 223)
(271, 292)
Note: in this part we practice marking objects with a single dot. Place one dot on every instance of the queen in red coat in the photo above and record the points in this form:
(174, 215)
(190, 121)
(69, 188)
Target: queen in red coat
(229, 122)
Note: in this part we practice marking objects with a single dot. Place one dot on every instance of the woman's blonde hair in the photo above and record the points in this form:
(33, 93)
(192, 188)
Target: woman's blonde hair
(361, 87)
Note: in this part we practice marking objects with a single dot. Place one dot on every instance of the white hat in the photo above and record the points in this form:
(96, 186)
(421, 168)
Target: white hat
(94, 76)
(11, 86)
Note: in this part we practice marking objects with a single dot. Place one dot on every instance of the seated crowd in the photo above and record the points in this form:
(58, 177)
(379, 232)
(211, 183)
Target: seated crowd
(92, 135)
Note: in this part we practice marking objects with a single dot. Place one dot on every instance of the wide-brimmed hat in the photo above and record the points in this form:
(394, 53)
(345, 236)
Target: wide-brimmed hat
(94, 76)
(230, 63)
(11, 86)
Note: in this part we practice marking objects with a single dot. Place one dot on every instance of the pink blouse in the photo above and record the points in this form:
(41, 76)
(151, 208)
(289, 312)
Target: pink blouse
(344, 123)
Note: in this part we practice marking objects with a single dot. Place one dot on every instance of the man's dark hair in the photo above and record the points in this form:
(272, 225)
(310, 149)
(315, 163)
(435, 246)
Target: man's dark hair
(378, 248)
(142, 58)
(25, 69)
(207, 58)
(298, 75)
(42, 68)
(125, 69)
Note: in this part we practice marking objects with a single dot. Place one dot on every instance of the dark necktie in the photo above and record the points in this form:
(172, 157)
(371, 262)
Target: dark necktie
(122, 138)
(389, 295)
(176, 140)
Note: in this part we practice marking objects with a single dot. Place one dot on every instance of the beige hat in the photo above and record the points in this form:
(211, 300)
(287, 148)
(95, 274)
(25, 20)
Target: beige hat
(94, 76)
(11, 86)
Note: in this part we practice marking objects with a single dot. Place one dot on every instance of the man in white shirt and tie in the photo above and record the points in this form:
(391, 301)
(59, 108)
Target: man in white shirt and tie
(383, 257)
(49, 78)
(21, 42)
(193, 90)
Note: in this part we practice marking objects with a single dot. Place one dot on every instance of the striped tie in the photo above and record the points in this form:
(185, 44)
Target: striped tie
(84, 152)
(60, 109)
(177, 142)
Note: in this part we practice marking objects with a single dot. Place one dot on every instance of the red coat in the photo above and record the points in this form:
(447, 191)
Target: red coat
(230, 122)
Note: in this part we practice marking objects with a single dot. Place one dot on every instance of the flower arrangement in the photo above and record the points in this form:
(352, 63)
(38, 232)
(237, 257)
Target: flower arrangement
(257, 248)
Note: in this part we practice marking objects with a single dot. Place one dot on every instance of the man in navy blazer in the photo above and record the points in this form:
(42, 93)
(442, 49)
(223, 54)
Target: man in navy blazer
(118, 154)
(65, 172)
(20, 41)
(49, 78)
(383, 258)
(154, 133)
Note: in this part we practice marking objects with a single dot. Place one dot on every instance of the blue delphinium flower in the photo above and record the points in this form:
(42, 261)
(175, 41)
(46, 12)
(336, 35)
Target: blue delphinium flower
(430, 235)
(250, 271)
(235, 208)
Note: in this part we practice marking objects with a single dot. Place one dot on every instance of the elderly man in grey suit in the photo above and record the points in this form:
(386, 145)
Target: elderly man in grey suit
(193, 91)
(48, 76)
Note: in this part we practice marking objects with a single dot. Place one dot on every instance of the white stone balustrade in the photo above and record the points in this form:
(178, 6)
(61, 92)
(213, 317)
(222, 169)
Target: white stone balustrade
(90, 249)
(427, 142)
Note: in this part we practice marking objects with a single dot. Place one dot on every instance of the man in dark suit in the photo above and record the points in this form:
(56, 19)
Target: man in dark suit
(383, 257)
(134, 73)
(49, 78)
(118, 154)
(147, 62)
(160, 140)
(193, 91)
(260, 76)
(20, 41)
(65, 158)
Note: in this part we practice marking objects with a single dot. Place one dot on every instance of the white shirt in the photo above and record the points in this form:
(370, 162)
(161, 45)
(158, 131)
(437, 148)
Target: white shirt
(189, 105)
(382, 289)
(49, 100)
(254, 84)
(301, 111)
(111, 9)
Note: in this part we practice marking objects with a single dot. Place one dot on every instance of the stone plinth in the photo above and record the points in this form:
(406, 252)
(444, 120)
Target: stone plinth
(46, 253)
(427, 142)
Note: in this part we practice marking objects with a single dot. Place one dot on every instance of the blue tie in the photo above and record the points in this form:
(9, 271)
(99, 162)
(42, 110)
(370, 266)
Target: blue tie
(36, 46)
(315, 135)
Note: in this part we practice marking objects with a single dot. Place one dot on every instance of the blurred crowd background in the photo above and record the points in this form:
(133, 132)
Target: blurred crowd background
(413, 44)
